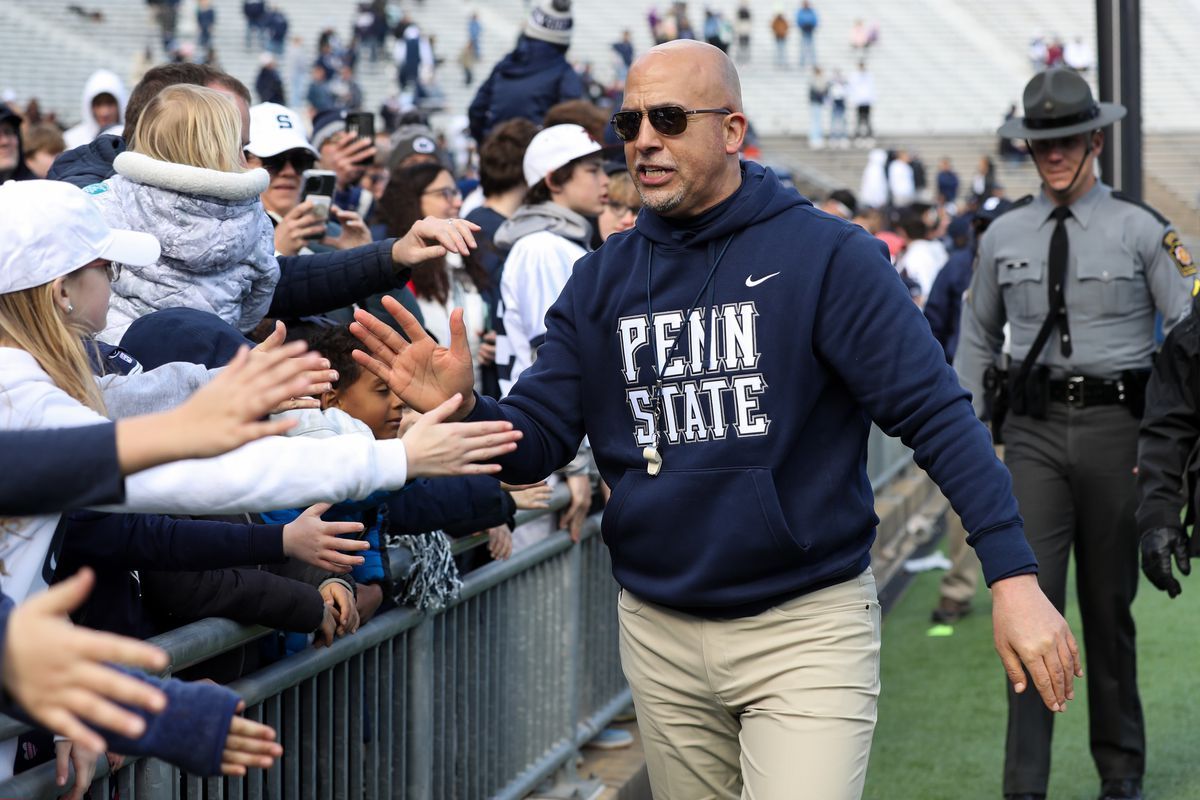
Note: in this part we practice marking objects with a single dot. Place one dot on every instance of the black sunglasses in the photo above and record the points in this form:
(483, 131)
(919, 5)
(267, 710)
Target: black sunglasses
(299, 159)
(667, 120)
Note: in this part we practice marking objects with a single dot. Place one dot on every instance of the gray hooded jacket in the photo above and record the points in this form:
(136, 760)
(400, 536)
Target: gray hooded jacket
(218, 247)
(549, 217)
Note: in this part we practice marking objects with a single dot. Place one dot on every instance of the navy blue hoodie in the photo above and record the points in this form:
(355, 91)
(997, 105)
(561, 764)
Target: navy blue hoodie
(763, 493)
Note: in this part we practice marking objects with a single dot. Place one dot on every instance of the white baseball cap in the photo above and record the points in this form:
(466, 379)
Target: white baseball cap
(50, 229)
(556, 147)
(275, 129)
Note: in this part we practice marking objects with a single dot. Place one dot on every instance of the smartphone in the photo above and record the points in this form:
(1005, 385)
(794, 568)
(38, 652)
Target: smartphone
(362, 125)
(318, 186)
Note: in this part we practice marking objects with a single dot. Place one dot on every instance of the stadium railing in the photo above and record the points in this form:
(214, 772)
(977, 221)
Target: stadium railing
(489, 697)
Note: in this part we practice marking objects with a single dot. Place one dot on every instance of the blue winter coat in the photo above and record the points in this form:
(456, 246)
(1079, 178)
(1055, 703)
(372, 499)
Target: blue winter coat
(525, 83)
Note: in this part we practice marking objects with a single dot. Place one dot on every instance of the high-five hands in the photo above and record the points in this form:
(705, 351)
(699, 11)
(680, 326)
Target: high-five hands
(420, 372)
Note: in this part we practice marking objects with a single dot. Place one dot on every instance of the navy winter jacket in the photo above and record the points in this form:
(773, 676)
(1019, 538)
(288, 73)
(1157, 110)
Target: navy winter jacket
(54, 470)
(459, 506)
(526, 82)
(308, 284)
(943, 309)
(114, 544)
(802, 336)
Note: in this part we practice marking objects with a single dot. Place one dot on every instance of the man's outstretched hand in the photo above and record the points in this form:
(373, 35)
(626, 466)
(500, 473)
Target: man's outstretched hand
(1031, 635)
(420, 372)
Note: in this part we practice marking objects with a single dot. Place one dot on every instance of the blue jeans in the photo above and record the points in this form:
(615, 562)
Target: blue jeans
(808, 49)
(816, 136)
(837, 123)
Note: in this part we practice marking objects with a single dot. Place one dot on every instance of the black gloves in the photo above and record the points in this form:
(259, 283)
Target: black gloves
(1158, 545)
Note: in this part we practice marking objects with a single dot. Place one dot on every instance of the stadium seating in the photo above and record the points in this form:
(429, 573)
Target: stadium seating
(945, 69)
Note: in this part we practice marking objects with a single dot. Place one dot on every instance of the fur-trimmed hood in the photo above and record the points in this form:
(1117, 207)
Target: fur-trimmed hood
(140, 168)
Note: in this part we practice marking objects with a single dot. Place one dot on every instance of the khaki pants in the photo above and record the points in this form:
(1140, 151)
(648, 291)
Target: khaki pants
(962, 579)
(779, 705)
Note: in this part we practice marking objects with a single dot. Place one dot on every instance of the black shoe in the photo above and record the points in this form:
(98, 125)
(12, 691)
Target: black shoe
(1025, 796)
(950, 611)
(1121, 789)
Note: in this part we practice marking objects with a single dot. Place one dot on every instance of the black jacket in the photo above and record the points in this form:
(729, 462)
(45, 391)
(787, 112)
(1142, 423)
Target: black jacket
(308, 284)
(21, 171)
(115, 544)
(1169, 438)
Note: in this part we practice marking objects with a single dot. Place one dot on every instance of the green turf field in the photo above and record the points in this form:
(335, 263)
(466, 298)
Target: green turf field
(942, 711)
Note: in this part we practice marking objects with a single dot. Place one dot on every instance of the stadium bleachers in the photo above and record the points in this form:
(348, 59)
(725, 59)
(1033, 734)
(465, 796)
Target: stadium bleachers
(950, 67)
(945, 69)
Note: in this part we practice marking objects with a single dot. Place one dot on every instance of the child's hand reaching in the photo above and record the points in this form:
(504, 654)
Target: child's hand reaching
(248, 744)
(319, 377)
(60, 674)
(500, 543)
(531, 496)
(345, 611)
(227, 413)
(317, 542)
(326, 632)
(437, 448)
(66, 753)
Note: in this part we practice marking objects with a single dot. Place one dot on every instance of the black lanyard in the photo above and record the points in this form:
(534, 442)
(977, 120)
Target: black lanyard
(651, 454)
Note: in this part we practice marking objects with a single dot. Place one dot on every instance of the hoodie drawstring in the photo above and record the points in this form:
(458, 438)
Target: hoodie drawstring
(687, 317)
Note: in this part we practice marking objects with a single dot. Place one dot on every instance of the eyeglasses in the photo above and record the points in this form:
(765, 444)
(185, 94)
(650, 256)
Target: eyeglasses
(448, 193)
(111, 268)
(667, 120)
(299, 159)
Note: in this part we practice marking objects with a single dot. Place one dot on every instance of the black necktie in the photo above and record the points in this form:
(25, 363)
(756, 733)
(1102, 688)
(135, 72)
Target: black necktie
(1059, 251)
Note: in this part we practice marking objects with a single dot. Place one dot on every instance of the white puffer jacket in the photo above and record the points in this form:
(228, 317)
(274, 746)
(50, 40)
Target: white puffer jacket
(218, 246)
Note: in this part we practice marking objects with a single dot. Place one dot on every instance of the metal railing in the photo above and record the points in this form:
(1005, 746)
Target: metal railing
(487, 698)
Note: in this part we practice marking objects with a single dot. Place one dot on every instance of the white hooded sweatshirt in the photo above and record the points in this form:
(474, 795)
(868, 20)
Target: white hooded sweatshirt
(101, 82)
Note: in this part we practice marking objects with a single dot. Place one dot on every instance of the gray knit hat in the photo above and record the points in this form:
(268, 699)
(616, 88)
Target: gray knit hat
(550, 21)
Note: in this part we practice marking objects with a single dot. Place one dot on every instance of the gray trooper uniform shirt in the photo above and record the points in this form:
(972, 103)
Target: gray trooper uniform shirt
(1124, 263)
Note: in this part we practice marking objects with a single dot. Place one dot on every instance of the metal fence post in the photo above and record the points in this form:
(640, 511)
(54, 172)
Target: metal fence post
(154, 778)
(419, 727)
(566, 783)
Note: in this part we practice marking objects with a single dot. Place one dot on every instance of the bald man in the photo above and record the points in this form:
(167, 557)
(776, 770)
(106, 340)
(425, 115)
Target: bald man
(726, 357)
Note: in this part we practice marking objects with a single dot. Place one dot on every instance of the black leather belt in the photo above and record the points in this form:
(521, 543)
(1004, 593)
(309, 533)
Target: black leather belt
(1079, 391)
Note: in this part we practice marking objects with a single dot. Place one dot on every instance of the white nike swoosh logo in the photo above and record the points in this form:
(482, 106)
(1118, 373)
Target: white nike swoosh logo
(751, 282)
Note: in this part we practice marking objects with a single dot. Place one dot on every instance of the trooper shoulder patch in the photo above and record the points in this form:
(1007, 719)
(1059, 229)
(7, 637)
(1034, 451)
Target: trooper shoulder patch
(1179, 254)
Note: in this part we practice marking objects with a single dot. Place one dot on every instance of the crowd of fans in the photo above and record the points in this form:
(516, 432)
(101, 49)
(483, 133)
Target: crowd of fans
(235, 257)
(230, 257)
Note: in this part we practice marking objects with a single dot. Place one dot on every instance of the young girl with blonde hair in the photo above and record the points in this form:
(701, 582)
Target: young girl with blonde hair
(185, 181)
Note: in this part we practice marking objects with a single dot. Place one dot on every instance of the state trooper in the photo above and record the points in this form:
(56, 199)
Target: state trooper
(1077, 271)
